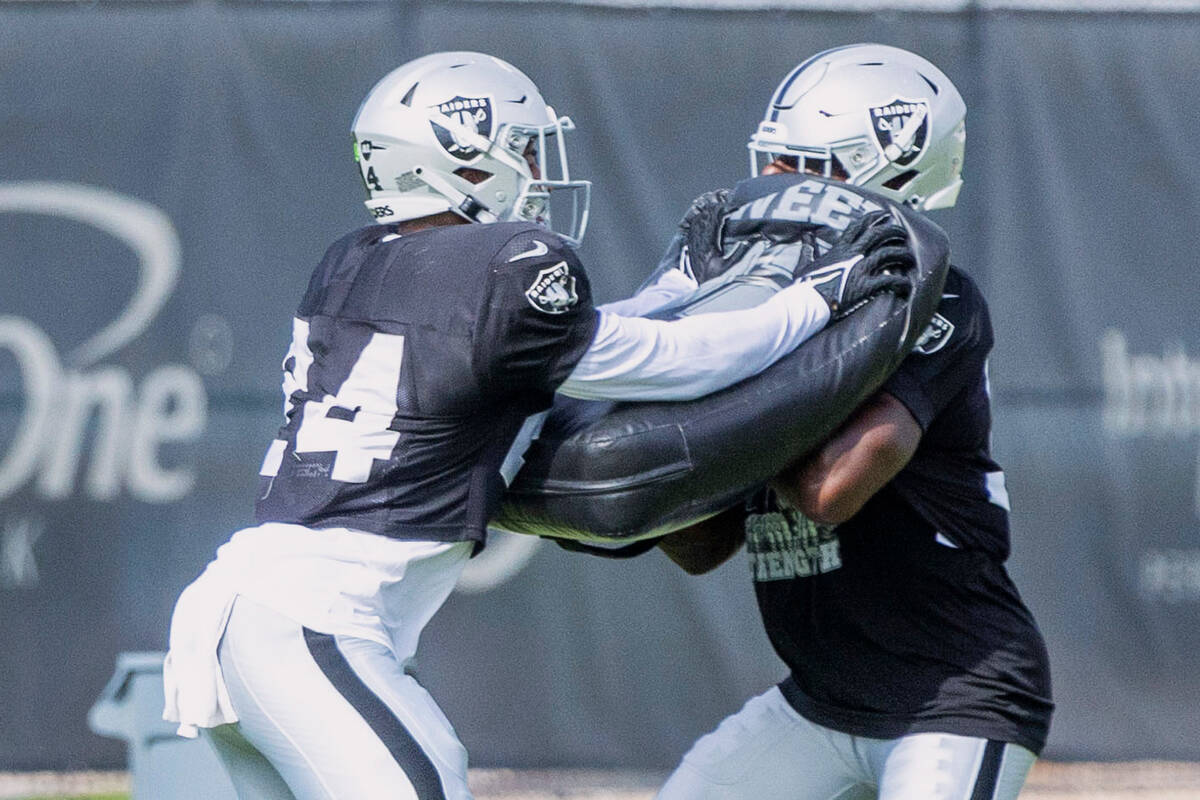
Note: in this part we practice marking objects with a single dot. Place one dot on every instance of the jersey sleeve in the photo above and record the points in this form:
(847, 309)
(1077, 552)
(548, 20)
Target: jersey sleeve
(646, 359)
(537, 318)
(948, 356)
(667, 288)
(670, 281)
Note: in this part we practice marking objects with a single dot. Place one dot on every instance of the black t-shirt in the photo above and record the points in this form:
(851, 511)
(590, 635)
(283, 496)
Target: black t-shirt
(414, 362)
(903, 619)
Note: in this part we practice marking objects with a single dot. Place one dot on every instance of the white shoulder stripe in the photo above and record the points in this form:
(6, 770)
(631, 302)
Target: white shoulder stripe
(997, 491)
(273, 459)
(945, 541)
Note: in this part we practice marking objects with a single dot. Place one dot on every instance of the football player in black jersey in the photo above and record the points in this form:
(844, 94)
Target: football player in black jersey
(915, 669)
(422, 354)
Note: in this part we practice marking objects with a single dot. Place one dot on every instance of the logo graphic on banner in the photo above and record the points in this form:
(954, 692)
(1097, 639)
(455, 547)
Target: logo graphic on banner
(72, 400)
(901, 129)
(474, 114)
(18, 565)
(1157, 397)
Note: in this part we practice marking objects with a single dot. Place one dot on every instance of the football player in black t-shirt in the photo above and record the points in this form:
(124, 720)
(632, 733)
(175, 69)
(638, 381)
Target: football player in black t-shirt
(915, 669)
(422, 354)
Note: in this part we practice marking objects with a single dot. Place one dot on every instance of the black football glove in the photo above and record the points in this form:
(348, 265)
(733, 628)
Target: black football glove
(701, 227)
(871, 256)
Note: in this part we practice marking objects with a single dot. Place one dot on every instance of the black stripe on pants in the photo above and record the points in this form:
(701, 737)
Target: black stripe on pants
(989, 771)
(390, 730)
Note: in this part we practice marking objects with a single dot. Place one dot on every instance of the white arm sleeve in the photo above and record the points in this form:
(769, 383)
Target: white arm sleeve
(644, 359)
(671, 285)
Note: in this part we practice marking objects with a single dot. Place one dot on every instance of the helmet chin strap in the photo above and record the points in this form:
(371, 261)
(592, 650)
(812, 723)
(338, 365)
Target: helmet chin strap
(461, 203)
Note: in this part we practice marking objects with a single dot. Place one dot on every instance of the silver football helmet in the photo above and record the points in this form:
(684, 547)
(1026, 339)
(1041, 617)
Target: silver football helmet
(468, 133)
(874, 116)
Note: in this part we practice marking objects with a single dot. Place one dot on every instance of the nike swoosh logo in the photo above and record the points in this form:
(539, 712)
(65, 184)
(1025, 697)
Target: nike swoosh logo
(538, 249)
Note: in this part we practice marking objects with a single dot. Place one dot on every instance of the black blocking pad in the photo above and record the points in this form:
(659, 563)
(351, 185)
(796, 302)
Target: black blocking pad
(621, 472)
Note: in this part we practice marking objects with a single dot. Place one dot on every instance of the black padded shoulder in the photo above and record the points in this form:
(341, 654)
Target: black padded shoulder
(608, 472)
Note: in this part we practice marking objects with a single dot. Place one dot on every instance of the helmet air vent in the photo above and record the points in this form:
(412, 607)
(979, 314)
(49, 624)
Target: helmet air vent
(898, 182)
(408, 96)
(472, 175)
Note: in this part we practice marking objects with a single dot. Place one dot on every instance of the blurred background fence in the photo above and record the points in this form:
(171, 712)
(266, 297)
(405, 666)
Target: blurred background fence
(170, 171)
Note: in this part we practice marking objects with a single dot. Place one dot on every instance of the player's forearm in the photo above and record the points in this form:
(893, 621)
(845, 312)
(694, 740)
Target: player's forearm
(669, 287)
(640, 359)
(708, 544)
(832, 487)
(834, 483)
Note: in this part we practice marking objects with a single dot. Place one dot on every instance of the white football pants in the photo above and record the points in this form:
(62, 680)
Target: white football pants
(767, 751)
(331, 717)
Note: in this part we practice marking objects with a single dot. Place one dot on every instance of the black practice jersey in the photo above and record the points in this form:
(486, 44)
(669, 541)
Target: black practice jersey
(903, 619)
(414, 362)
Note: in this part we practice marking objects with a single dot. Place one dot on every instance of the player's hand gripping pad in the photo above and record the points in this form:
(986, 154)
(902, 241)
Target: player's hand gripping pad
(620, 472)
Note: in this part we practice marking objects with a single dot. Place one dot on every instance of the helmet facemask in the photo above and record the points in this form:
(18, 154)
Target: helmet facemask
(854, 161)
(549, 197)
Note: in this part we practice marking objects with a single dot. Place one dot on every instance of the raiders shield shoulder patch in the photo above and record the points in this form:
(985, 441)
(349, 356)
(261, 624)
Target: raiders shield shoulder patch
(553, 292)
(935, 336)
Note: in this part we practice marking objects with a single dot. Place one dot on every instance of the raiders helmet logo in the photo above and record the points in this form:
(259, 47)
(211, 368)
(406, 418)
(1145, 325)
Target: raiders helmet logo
(901, 128)
(553, 291)
(473, 113)
(935, 336)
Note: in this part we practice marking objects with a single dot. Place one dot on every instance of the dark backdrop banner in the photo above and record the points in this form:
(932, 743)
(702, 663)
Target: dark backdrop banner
(170, 172)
